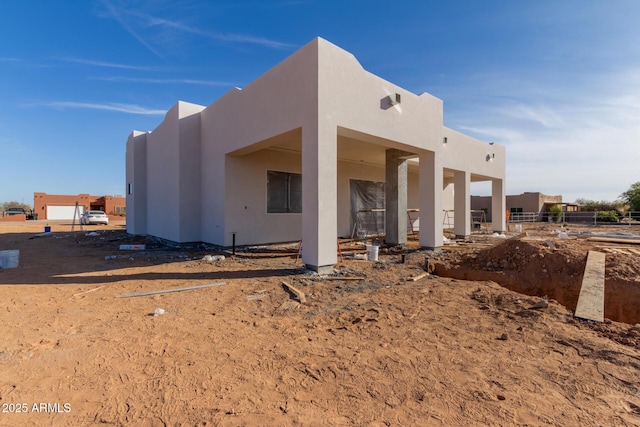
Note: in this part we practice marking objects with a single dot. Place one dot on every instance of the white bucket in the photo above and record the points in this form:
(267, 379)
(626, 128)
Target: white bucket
(372, 252)
(9, 259)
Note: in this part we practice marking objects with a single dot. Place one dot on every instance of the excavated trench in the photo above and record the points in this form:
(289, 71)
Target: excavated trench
(549, 268)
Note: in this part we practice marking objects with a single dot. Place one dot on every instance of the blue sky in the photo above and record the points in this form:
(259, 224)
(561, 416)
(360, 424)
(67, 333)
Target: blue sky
(557, 82)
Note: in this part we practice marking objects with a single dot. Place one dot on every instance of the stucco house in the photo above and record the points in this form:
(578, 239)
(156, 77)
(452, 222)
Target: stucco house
(278, 160)
(528, 206)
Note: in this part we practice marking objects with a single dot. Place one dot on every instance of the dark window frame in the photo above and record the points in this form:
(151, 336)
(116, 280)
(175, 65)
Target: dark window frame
(284, 192)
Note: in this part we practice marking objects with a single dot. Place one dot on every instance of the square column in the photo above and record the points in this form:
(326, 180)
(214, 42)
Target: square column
(395, 198)
(462, 204)
(319, 197)
(498, 205)
(431, 216)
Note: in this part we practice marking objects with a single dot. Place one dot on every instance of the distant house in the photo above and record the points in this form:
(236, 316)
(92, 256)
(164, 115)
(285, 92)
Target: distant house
(56, 206)
(529, 206)
(289, 158)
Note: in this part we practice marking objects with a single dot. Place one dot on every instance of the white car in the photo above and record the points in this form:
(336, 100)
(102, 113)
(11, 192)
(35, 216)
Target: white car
(94, 217)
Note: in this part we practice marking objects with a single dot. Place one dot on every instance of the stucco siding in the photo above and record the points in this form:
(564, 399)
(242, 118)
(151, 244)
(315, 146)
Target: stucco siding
(246, 205)
(189, 189)
(136, 183)
(163, 178)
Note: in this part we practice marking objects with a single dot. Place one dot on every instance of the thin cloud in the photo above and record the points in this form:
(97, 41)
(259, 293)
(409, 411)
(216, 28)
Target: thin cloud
(108, 64)
(240, 38)
(163, 81)
(115, 14)
(227, 37)
(112, 106)
(144, 20)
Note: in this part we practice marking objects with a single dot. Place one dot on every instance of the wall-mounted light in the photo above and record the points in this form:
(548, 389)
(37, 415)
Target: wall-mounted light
(490, 157)
(395, 99)
(444, 140)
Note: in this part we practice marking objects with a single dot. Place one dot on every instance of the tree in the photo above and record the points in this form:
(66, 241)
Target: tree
(587, 205)
(632, 196)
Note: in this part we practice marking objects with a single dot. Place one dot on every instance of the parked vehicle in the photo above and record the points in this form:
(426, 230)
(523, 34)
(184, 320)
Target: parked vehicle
(94, 217)
(21, 211)
(15, 211)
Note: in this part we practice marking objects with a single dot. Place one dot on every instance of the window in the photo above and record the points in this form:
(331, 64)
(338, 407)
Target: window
(284, 192)
(516, 210)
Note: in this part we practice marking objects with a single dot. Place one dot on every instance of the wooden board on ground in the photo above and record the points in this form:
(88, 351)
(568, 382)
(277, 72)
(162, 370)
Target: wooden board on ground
(591, 300)
(614, 240)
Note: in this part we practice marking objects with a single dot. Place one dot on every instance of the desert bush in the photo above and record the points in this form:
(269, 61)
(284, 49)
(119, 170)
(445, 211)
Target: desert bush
(607, 216)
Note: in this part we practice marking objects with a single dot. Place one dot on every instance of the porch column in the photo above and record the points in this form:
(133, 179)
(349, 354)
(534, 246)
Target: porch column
(498, 205)
(462, 204)
(396, 197)
(431, 215)
(319, 197)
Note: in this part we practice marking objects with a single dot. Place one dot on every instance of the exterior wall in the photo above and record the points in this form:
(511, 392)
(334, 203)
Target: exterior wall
(189, 187)
(246, 205)
(479, 203)
(136, 183)
(173, 175)
(106, 203)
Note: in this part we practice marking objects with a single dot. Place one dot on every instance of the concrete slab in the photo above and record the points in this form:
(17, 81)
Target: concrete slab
(591, 299)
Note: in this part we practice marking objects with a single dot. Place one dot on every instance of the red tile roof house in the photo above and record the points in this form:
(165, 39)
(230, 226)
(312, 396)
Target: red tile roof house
(276, 161)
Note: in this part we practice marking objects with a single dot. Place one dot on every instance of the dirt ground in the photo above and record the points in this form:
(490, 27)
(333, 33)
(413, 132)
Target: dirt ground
(369, 347)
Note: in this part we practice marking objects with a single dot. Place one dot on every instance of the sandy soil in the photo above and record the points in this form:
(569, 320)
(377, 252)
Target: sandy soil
(369, 347)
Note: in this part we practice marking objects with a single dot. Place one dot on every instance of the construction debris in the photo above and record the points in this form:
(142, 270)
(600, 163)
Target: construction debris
(133, 247)
(165, 291)
(614, 240)
(418, 277)
(298, 293)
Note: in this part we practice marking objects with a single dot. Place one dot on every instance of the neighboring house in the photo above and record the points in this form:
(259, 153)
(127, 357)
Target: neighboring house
(277, 161)
(529, 206)
(56, 206)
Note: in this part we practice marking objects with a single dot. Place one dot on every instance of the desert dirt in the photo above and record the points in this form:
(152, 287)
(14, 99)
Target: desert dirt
(370, 346)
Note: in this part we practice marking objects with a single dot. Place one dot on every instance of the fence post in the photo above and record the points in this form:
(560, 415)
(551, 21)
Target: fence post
(595, 218)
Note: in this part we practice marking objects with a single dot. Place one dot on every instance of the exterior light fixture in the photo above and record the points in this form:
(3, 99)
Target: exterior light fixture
(395, 99)
(444, 140)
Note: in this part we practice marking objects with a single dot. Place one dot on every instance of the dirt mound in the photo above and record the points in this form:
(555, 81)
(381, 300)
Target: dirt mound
(551, 267)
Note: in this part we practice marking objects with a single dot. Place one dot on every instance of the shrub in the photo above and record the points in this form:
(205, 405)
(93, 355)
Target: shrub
(607, 216)
(556, 213)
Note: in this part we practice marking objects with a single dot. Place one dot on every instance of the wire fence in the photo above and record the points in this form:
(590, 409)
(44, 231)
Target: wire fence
(584, 217)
